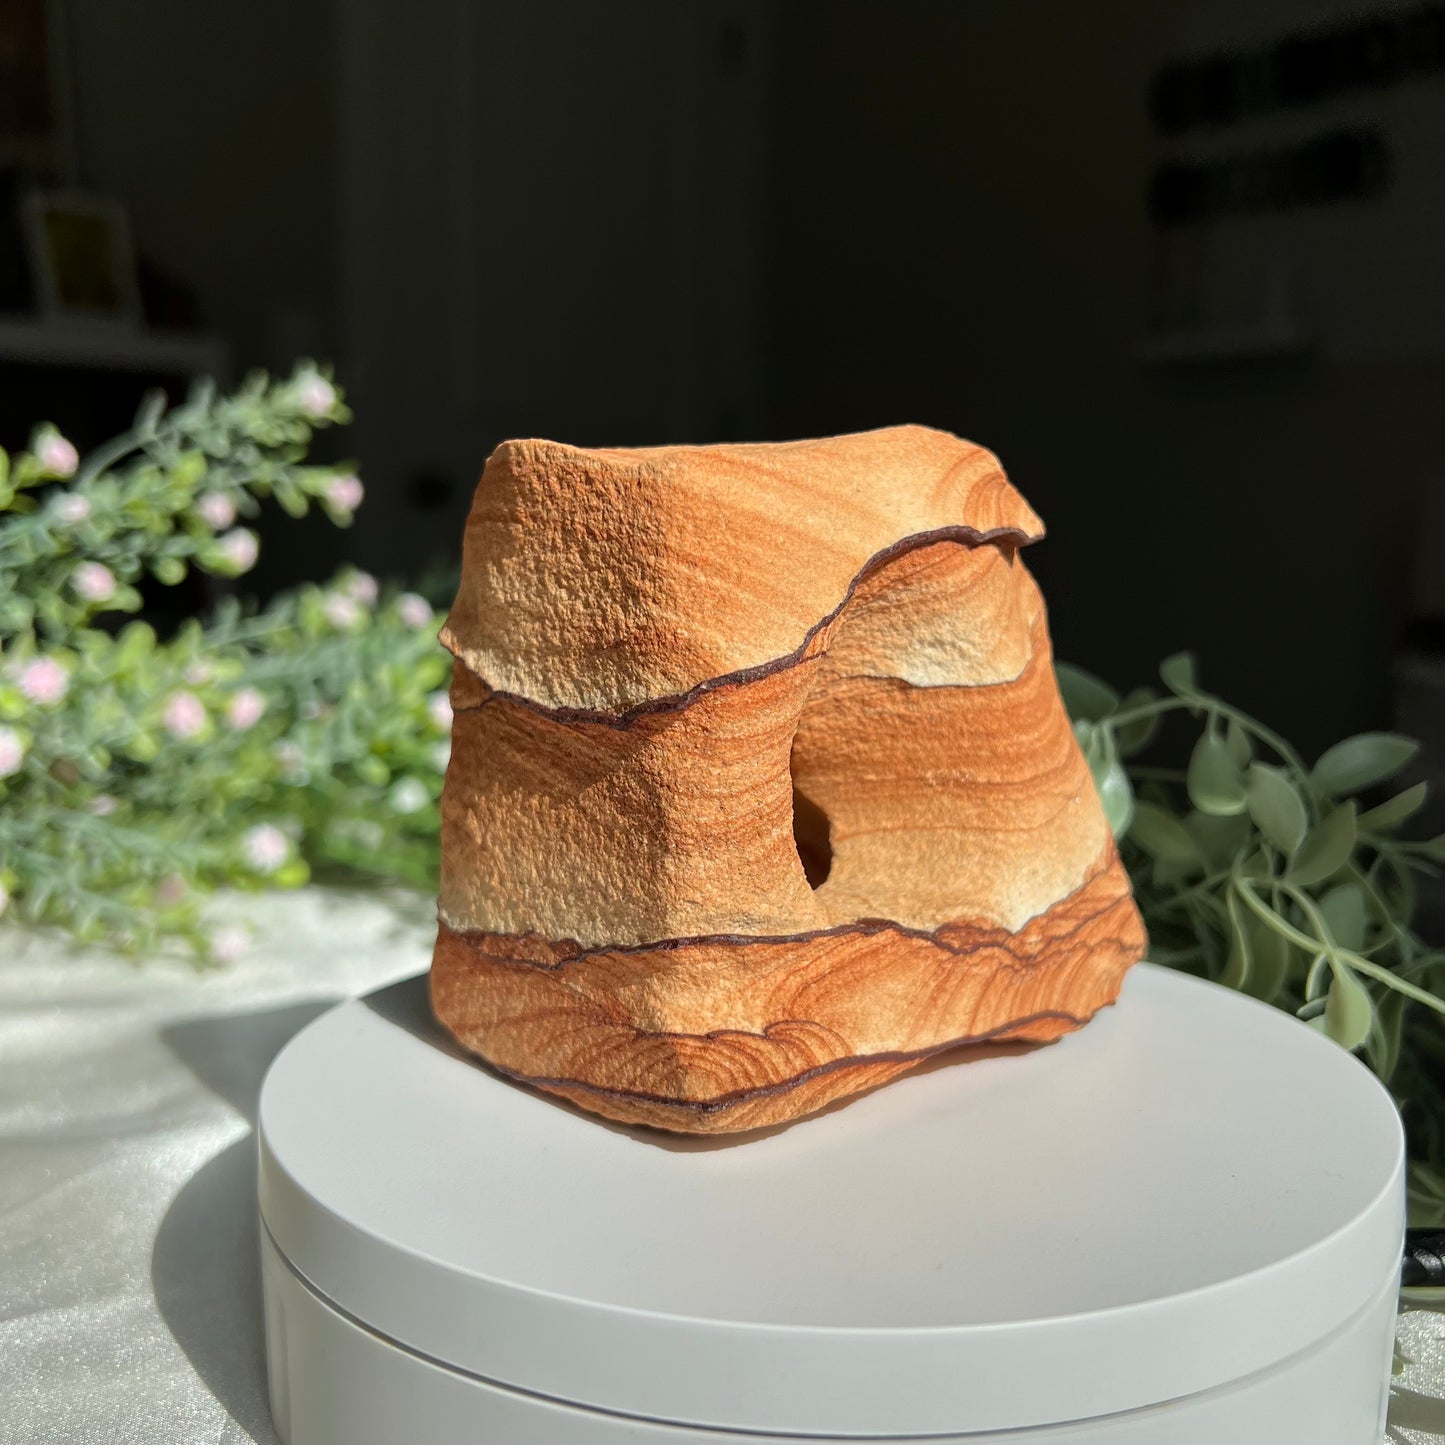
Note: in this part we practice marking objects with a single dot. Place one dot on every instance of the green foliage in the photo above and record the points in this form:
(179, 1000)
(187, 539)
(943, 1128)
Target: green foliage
(1266, 876)
(137, 773)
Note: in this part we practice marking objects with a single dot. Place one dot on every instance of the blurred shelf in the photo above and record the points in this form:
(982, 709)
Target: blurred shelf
(112, 347)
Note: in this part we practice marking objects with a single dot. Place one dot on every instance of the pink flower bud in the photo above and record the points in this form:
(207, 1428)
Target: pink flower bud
(184, 716)
(216, 510)
(439, 710)
(316, 396)
(93, 581)
(244, 708)
(240, 549)
(57, 456)
(345, 492)
(44, 681)
(362, 588)
(265, 847)
(413, 609)
(12, 752)
(341, 611)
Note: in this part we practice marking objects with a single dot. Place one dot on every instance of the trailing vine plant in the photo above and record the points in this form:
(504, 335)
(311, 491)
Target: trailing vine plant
(1280, 879)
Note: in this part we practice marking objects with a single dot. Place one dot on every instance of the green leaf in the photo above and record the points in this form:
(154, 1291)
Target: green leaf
(1215, 784)
(1327, 848)
(1384, 1046)
(1116, 794)
(1160, 834)
(1085, 696)
(1218, 839)
(1239, 745)
(1270, 956)
(1359, 761)
(1390, 814)
(1343, 910)
(1349, 1013)
(1317, 977)
(1237, 967)
(1276, 807)
(1133, 737)
(1177, 673)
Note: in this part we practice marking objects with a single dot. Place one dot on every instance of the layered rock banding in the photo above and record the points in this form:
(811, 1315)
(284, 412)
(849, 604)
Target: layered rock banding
(761, 788)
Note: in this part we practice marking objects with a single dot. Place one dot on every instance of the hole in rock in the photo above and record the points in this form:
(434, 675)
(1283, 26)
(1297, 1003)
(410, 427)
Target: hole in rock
(811, 837)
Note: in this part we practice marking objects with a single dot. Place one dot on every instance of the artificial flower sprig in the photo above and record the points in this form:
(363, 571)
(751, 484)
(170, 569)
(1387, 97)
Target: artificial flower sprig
(138, 772)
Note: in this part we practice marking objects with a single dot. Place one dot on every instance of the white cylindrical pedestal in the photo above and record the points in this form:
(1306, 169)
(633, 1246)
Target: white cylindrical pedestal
(1179, 1226)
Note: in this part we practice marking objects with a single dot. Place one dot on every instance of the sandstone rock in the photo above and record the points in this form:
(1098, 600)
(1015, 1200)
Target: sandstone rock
(761, 788)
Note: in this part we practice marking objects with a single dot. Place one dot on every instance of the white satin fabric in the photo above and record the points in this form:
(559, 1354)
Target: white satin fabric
(129, 1301)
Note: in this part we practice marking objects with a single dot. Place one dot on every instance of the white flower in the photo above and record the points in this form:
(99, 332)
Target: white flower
(56, 455)
(102, 805)
(240, 549)
(230, 942)
(341, 611)
(12, 752)
(345, 492)
(439, 710)
(265, 847)
(184, 716)
(441, 755)
(44, 680)
(409, 795)
(244, 708)
(94, 581)
(413, 609)
(70, 507)
(216, 510)
(316, 396)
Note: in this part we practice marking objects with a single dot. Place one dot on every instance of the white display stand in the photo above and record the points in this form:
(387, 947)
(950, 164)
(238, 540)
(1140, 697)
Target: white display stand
(1179, 1226)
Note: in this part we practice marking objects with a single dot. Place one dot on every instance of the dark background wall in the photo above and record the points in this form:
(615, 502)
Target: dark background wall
(737, 219)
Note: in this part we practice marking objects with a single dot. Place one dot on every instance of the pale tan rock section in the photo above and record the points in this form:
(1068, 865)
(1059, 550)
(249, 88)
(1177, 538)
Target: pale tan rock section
(662, 657)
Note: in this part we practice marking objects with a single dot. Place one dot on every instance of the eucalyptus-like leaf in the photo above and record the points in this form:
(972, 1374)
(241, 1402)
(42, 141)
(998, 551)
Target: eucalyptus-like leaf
(1317, 979)
(1160, 834)
(1326, 849)
(1219, 839)
(1276, 806)
(1178, 674)
(1215, 784)
(1388, 815)
(1349, 1012)
(1239, 745)
(1343, 910)
(1384, 1045)
(1237, 966)
(1085, 696)
(1359, 761)
(1116, 793)
(1133, 737)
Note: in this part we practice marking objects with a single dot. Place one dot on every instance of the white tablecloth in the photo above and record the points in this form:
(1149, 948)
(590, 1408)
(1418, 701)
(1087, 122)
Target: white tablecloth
(129, 1300)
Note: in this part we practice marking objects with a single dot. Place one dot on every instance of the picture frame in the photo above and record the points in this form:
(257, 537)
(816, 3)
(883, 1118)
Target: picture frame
(81, 258)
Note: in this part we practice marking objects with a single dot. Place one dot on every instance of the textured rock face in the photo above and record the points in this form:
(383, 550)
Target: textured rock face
(761, 788)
